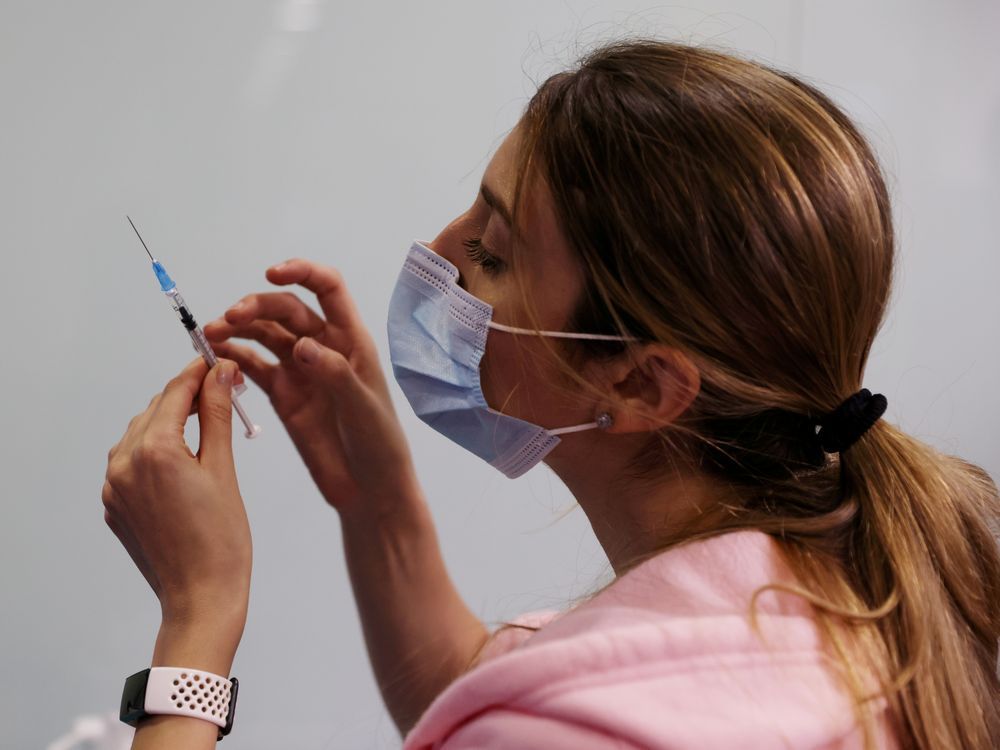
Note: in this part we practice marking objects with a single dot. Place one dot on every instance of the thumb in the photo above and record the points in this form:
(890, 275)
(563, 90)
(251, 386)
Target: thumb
(215, 414)
(325, 364)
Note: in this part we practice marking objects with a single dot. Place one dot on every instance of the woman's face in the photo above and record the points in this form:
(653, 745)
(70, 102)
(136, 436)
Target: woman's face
(517, 377)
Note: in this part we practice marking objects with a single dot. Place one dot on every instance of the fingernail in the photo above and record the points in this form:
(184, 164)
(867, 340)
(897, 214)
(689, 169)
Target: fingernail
(224, 374)
(279, 266)
(238, 306)
(308, 351)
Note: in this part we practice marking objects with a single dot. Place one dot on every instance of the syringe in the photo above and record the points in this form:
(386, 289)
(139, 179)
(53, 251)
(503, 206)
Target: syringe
(198, 340)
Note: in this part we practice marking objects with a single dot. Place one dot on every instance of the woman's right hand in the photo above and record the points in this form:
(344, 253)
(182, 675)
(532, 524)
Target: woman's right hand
(338, 413)
(335, 404)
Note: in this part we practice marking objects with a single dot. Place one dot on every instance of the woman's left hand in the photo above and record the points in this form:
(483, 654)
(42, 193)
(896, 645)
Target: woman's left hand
(179, 515)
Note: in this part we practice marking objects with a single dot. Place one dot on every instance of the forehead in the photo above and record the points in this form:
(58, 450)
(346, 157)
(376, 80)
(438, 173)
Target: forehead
(545, 254)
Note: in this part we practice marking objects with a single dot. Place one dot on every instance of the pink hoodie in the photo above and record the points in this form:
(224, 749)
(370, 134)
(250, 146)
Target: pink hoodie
(663, 658)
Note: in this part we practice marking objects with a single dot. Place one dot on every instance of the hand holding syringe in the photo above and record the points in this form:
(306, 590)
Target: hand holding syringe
(198, 339)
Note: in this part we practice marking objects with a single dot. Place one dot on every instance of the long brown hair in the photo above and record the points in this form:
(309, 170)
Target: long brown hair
(734, 212)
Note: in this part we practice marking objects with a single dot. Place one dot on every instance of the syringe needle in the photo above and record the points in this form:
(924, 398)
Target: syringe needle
(140, 238)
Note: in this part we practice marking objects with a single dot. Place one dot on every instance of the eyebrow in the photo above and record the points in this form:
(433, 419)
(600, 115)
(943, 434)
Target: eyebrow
(495, 203)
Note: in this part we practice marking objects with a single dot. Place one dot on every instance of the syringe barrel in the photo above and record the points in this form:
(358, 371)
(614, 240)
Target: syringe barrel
(198, 340)
(201, 345)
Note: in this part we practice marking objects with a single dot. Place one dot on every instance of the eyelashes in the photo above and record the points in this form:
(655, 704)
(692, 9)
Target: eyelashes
(482, 257)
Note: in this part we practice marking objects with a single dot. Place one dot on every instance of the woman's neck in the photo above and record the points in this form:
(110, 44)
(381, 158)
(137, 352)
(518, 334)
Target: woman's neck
(633, 519)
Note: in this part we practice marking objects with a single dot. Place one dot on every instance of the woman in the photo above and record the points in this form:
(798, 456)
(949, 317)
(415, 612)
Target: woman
(791, 570)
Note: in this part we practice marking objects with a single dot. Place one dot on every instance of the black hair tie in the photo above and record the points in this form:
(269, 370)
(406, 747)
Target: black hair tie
(842, 427)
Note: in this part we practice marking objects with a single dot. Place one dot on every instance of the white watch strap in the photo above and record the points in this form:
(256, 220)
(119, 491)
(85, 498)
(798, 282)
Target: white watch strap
(186, 692)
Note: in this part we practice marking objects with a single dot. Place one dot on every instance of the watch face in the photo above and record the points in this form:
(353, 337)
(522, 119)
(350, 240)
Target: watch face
(133, 705)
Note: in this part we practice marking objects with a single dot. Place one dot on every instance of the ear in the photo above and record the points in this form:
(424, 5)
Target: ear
(651, 386)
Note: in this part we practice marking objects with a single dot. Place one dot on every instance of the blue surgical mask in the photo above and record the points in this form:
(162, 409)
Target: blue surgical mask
(437, 337)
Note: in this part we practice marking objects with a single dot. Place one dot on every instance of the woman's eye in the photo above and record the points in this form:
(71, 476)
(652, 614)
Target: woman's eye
(482, 257)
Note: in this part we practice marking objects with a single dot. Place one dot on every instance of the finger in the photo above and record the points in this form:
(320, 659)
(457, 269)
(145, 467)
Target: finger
(328, 286)
(330, 367)
(272, 335)
(239, 380)
(179, 394)
(215, 416)
(281, 307)
(358, 405)
(255, 366)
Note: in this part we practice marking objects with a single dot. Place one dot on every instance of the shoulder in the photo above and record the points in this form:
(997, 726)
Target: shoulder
(667, 656)
(514, 633)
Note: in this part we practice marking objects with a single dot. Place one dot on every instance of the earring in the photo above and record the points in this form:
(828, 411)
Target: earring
(604, 420)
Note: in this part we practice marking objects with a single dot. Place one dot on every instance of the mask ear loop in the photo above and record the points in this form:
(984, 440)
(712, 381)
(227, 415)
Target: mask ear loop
(559, 334)
(604, 421)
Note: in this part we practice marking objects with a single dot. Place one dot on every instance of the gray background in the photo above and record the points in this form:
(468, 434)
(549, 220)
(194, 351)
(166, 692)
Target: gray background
(238, 134)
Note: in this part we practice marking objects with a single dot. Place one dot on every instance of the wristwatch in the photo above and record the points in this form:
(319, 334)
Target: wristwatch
(181, 692)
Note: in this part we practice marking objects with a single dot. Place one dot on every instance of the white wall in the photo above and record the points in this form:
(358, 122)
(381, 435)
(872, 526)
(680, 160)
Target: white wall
(238, 134)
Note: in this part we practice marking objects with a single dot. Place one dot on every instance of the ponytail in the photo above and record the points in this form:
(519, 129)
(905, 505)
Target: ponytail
(925, 539)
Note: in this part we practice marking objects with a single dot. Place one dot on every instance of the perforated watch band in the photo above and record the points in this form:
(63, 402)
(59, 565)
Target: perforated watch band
(180, 691)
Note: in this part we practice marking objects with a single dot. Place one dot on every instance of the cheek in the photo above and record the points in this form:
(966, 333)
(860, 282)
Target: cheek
(518, 379)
